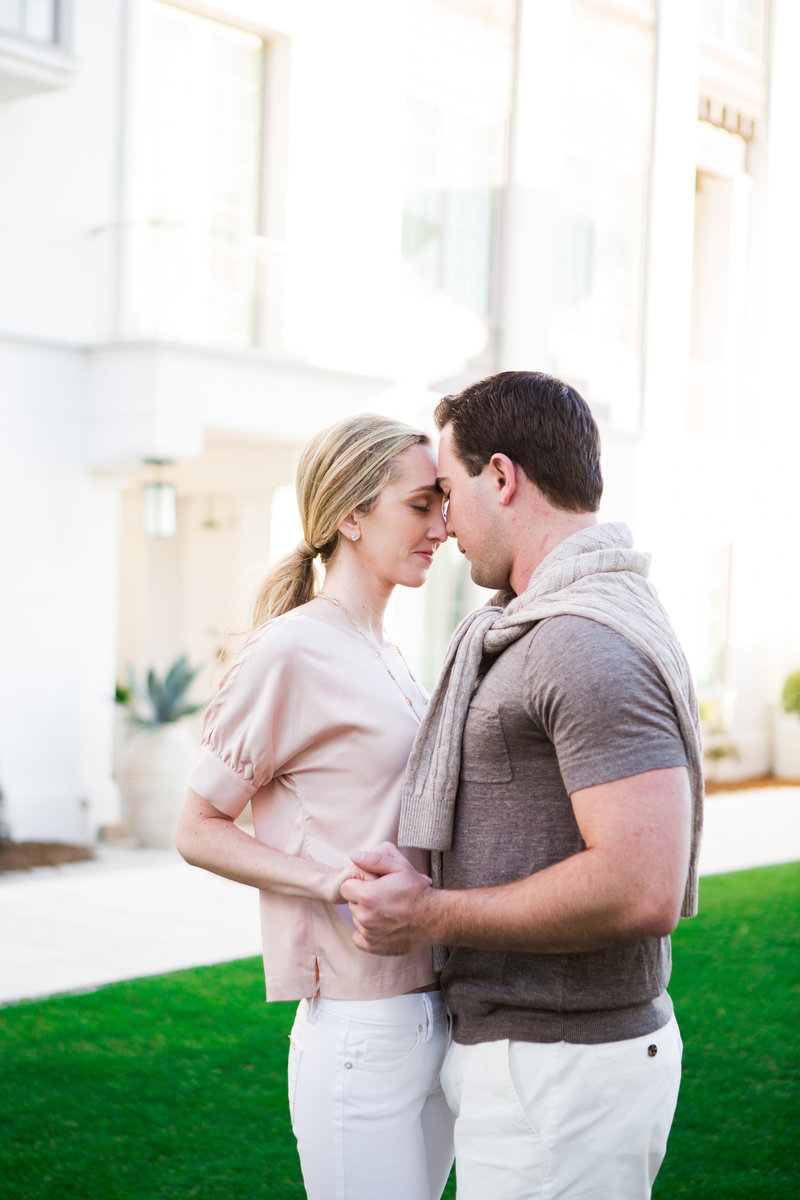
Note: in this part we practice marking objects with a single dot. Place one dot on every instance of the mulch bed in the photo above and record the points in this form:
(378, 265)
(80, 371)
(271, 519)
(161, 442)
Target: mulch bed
(747, 785)
(23, 856)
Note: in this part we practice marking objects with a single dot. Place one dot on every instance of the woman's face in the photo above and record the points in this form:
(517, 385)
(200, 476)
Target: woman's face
(401, 533)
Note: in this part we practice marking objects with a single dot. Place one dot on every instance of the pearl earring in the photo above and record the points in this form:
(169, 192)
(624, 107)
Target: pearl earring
(356, 536)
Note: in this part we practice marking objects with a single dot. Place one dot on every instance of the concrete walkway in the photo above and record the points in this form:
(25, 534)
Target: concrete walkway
(130, 913)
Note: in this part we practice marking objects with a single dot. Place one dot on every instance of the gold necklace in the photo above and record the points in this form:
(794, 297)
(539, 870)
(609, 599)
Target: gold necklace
(375, 650)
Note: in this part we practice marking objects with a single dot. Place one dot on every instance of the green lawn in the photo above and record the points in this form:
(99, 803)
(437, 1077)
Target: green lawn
(174, 1086)
(736, 987)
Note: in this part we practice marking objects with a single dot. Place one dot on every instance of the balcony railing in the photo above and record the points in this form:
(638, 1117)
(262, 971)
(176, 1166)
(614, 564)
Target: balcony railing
(162, 281)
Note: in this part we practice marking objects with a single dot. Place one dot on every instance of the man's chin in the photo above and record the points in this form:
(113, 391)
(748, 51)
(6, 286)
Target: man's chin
(486, 578)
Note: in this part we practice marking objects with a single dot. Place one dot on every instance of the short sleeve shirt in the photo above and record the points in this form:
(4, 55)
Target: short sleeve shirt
(570, 705)
(309, 728)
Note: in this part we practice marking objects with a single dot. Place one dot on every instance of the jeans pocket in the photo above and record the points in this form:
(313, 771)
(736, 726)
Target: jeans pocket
(380, 1050)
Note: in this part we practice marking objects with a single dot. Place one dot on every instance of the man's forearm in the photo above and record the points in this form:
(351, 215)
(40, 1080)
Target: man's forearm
(628, 882)
(569, 907)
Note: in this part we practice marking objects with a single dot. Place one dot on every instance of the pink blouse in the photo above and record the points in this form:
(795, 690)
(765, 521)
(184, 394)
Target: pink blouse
(310, 728)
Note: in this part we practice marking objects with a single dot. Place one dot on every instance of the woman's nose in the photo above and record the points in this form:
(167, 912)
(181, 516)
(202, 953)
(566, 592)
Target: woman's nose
(438, 529)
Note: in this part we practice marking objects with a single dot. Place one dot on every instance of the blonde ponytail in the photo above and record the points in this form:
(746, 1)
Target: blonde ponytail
(290, 583)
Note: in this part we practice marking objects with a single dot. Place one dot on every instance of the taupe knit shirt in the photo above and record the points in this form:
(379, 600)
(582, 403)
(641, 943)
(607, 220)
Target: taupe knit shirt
(533, 735)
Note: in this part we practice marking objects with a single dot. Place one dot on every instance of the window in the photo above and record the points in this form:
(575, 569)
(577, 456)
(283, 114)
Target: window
(456, 165)
(206, 120)
(719, 281)
(36, 20)
(194, 269)
(459, 79)
(599, 253)
(736, 23)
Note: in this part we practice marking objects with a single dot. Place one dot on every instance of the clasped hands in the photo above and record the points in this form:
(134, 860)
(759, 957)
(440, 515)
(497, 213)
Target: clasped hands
(389, 901)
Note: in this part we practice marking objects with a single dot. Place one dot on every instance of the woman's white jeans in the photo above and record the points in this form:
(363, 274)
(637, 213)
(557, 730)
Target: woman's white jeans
(366, 1104)
(562, 1122)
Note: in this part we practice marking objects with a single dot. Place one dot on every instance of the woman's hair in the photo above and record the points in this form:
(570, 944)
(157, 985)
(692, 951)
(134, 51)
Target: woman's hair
(343, 469)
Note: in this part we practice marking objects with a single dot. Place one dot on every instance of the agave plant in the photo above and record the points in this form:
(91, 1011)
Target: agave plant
(160, 701)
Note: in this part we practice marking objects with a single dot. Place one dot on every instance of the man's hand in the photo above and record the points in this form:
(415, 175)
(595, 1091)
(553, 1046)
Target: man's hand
(392, 909)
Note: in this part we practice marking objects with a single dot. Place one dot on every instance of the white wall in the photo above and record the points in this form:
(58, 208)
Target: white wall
(60, 149)
(57, 603)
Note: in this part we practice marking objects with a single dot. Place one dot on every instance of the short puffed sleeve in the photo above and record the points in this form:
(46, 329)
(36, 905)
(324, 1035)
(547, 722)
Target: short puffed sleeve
(256, 722)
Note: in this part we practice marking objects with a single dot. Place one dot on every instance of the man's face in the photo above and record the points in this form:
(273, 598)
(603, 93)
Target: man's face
(473, 516)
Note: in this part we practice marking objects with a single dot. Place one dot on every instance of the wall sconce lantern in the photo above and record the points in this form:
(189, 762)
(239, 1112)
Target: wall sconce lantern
(159, 504)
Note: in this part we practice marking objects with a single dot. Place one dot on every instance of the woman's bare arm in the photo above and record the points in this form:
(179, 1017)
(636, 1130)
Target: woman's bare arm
(208, 838)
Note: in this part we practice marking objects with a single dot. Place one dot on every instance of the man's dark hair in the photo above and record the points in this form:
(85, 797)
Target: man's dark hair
(540, 423)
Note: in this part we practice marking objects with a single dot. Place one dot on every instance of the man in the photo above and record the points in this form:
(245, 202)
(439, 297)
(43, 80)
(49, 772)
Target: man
(557, 779)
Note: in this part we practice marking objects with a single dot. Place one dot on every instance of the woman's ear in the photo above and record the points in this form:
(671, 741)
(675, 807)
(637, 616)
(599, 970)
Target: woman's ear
(349, 527)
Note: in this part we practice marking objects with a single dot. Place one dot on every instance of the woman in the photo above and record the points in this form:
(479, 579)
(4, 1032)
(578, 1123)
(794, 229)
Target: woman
(313, 725)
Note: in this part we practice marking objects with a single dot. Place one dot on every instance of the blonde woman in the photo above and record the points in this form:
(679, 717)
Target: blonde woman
(313, 725)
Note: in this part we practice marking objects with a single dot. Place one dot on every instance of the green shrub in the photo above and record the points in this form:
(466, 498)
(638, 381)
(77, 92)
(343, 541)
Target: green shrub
(791, 694)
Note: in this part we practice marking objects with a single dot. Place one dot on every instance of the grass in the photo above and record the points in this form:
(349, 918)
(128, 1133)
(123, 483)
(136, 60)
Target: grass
(171, 1086)
(736, 986)
(175, 1086)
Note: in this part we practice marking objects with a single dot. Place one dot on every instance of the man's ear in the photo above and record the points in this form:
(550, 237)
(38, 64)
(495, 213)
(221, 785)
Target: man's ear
(503, 473)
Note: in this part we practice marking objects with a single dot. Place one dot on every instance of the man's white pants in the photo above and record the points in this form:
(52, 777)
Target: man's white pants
(367, 1108)
(558, 1121)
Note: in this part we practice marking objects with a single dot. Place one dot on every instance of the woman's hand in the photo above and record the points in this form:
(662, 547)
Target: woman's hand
(332, 893)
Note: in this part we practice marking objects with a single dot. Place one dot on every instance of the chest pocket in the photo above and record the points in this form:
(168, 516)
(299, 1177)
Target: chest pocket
(484, 752)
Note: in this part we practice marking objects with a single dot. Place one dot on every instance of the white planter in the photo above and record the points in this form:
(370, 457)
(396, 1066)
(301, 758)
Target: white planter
(152, 781)
(786, 746)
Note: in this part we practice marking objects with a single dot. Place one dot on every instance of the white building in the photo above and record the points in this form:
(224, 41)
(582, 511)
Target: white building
(225, 224)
